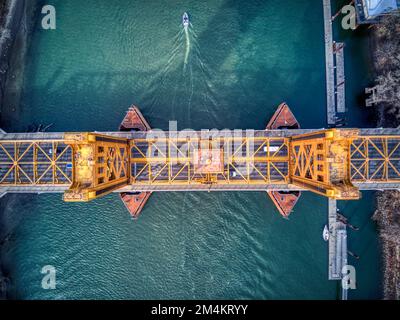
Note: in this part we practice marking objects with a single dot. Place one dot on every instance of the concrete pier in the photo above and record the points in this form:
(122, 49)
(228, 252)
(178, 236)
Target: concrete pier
(334, 273)
(340, 78)
(329, 63)
(337, 246)
(337, 243)
(334, 65)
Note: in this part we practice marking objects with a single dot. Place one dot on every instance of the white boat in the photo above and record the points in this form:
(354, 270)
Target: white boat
(325, 233)
(185, 20)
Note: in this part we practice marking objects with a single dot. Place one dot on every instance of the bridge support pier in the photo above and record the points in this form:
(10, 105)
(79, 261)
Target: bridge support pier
(134, 202)
(284, 201)
(319, 162)
(100, 165)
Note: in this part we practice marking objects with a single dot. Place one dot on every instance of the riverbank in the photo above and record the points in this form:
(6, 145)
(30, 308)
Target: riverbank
(13, 12)
(386, 55)
(387, 216)
(15, 15)
(13, 48)
(386, 50)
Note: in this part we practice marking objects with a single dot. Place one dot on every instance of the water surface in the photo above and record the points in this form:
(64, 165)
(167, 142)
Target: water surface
(244, 59)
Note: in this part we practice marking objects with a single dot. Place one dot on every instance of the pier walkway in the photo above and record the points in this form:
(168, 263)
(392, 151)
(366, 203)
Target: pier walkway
(337, 246)
(334, 68)
(329, 63)
(337, 243)
(340, 78)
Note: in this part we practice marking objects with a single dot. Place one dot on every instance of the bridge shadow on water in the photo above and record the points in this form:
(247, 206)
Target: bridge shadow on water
(250, 74)
(262, 55)
(98, 100)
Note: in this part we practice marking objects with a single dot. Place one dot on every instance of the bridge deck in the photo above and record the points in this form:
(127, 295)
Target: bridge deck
(35, 163)
(42, 162)
(140, 135)
(375, 159)
(231, 161)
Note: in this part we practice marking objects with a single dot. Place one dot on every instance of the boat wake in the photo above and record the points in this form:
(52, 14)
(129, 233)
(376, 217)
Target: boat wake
(187, 52)
(183, 81)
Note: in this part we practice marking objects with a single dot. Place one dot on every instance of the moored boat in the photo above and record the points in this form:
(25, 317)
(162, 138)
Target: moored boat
(325, 233)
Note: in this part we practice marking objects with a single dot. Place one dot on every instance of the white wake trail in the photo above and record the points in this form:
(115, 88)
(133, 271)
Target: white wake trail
(191, 93)
(187, 46)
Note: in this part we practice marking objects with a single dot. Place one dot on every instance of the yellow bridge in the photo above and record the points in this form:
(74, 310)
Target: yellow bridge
(336, 163)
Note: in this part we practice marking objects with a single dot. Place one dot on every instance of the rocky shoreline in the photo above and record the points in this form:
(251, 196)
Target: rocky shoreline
(386, 53)
(14, 16)
(386, 58)
(387, 215)
(12, 61)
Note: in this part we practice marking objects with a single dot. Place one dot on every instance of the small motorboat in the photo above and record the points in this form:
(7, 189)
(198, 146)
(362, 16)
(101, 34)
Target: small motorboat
(185, 20)
(325, 233)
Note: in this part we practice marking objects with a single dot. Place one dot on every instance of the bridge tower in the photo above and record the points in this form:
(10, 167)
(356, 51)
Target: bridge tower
(100, 165)
(320, 162)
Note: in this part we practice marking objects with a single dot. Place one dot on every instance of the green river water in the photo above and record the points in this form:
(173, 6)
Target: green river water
(244, 59)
